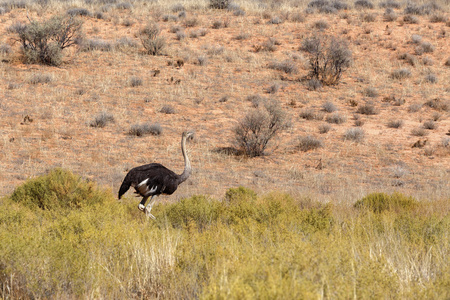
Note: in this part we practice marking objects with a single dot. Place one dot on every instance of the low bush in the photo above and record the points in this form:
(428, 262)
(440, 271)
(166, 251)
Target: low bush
(43, 42)
(258, 127)
(102, 120)
(307, 143)
(245, 246)
(144, 129)
(328, 57)
(151, 40)
(380, 202)
(354, 134)
(58, 190)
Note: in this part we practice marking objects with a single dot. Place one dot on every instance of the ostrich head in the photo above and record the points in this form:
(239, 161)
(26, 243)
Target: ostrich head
(188, 135)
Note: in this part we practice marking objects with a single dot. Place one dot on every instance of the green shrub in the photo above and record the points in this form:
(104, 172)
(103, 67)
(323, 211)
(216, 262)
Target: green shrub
(196, 209)
(59, 189)
(235, 195)
(43, 42)
(380, 202)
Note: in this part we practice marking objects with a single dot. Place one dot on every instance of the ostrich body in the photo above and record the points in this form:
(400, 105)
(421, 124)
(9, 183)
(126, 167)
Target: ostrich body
(154, 179)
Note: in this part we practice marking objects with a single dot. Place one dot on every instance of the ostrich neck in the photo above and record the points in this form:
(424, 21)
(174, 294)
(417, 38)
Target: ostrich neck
(187, 164)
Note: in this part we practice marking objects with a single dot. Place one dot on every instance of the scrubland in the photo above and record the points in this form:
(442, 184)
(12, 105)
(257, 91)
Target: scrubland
(241, 246)
(346, 197)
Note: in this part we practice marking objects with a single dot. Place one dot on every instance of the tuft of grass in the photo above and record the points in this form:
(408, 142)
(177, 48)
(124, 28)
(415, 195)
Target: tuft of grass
(135, 81)
(167, 109)
(219, 4)
(431, 78)
(363, 4)
(336, 118)
(419, 131)
(145, 129)
(314, 84)
(438, 104)
(430, 125)
(76, 11)
(367, 109)
(288, 66)
(389, 15)
(329, 107)
(310, 114)
(324, 128)
(96, 44)
(39, 78)
(307, 143)
(102, 120)
(354, 134)
(371, 92)
(400, 74)
(395, 123)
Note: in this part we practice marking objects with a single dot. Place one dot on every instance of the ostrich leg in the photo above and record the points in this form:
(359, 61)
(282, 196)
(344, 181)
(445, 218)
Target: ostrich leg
(149, 207)
(141, 205)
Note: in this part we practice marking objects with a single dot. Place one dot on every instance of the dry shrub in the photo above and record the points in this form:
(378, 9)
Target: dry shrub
(150, 39)
(354, 134)
(253, 133)
(306, 143)
(144, 129)
(329, 57)
(102, 120)
(43, 42)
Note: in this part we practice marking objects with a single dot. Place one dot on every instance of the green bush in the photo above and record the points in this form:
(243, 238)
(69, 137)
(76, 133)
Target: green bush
(43, 42)
(380, 202)
(245, 246)
(196, 209)
(59, 189)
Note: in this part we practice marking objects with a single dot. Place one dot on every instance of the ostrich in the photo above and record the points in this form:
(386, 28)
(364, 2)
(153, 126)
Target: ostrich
(155, 179)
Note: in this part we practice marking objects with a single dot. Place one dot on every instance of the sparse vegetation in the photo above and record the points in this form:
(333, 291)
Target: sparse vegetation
(209, 241)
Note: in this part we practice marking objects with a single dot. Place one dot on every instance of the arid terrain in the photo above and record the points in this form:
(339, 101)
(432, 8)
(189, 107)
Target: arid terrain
(215, 61)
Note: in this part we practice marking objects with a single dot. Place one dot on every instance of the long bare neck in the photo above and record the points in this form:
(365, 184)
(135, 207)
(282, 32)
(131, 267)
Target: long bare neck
(187, 164)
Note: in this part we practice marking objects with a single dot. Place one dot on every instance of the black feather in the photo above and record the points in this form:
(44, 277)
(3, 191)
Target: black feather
(165, 180)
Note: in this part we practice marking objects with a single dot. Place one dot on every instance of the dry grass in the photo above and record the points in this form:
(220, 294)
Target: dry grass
(216, 63)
